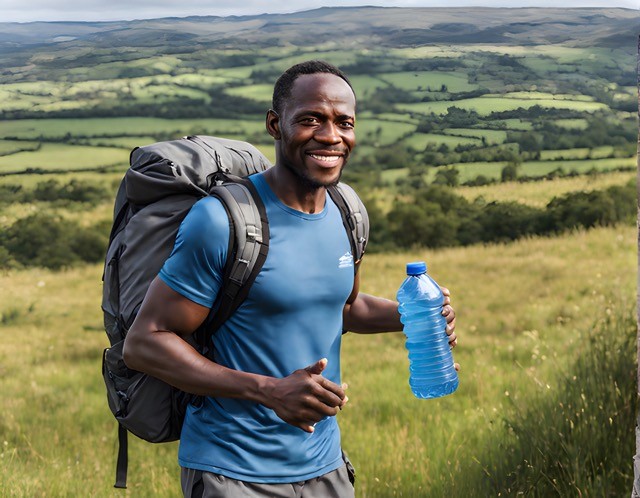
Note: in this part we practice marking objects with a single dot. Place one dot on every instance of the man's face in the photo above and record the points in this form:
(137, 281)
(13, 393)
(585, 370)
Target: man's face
(315, 129)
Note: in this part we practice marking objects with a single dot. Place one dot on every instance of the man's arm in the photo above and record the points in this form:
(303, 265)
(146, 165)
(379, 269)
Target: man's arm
(156, 345)
(366, 314)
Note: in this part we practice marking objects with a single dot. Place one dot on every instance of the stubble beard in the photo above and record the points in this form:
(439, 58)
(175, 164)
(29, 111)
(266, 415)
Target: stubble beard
(311, 183)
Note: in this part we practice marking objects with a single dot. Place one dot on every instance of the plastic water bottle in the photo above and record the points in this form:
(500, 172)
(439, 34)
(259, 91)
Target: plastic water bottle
(431, 369)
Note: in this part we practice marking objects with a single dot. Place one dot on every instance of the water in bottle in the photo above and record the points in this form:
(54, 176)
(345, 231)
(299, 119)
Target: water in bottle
(431, 370)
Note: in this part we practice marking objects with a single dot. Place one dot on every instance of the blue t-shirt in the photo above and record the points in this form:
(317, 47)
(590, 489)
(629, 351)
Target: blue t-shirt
(291, 318)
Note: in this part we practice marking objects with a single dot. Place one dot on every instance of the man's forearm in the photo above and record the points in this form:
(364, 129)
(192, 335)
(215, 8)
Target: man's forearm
(170, 358)
(301, 399)
(371, 314)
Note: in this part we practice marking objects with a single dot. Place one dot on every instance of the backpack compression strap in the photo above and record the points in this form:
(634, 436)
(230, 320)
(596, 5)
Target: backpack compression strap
(354, 218)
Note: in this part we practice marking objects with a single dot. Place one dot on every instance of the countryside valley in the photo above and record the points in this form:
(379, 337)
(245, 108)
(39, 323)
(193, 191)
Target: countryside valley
(499, 145)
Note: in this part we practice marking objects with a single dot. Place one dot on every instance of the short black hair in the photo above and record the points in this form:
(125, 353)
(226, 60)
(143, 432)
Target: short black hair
(284, 84)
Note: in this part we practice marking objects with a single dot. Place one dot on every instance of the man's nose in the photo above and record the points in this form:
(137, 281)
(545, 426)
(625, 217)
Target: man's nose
(328, 133)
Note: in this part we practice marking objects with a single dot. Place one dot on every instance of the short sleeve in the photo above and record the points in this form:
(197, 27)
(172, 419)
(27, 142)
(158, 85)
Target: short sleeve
(196, 265)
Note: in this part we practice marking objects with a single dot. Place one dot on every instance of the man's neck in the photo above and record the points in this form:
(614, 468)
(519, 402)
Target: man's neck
(293, 193)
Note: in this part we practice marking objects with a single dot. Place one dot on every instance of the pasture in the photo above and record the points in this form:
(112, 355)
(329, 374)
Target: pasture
(526, 312)
(492, 170)
(538, 194)
(485, 105)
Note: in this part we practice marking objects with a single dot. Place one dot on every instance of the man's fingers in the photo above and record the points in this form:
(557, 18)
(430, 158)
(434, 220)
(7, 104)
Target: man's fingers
(318, 367)
(447, 295)
(307, 428)
(332, 394)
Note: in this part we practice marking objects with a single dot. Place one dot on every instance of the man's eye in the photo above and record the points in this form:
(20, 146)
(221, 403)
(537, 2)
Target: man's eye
(348, 124)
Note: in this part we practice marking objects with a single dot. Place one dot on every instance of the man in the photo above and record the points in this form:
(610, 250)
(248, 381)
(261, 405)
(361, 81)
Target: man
(267, 425)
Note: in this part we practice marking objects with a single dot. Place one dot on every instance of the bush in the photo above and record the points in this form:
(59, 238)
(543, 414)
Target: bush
(580, 441)
(505, 221)
(52, 242)
(437, 217)
(74, 191)
(423, 225)
(581, 209)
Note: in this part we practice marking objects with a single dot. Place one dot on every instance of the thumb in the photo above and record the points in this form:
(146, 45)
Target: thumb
(317, 367)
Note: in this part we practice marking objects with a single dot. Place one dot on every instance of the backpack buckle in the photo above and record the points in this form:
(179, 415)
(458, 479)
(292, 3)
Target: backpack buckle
(238, 271)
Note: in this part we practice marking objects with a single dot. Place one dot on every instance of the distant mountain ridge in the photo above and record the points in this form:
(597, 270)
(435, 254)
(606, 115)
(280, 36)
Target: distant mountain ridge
(382, 26)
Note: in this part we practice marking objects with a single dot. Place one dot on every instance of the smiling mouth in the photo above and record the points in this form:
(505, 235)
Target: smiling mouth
(326, 159)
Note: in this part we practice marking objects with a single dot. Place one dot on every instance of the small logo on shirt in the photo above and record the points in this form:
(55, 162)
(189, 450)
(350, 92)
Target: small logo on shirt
(345, 261)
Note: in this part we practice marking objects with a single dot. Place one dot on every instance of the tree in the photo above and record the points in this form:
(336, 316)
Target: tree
(52, 242)
(505, 221)
(423, 225)
(447, 176)
(510, 172)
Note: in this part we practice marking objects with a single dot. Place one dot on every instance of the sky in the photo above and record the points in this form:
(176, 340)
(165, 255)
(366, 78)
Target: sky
(112, 10)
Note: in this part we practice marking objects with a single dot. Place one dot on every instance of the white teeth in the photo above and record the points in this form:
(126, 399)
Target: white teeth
(326, 159)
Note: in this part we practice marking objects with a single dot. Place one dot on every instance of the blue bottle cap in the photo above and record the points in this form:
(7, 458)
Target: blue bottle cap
(416, 268)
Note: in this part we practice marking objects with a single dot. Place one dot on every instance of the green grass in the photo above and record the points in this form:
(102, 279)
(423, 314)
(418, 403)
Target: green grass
(538, 194)
(52, 157)
(117, 127)
(513, 124)
(547, 96)
(30, 181)
(127, 143)
(486, 105)
(492, 137)
(8, 147)
(469, 171)
(526, 312)
(493, 170)
(581, 153)
(429, 81)
(261, 93)
(51, 95)
(390, 132)
(365, 85)
(392, 117)
(418, 141)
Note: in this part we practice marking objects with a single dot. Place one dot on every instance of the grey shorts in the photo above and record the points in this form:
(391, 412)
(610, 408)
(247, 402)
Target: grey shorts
(336, 484)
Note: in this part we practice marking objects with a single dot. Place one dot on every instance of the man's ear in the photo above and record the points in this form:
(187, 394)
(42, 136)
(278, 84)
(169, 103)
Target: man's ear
(273, 124)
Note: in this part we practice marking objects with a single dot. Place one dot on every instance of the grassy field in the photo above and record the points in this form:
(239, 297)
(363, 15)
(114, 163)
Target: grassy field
(487, 104)
(493, 170)
(538, 194)
(525, 312)
(117, 127)
(429, 81)
(53, 157)
(418, 141)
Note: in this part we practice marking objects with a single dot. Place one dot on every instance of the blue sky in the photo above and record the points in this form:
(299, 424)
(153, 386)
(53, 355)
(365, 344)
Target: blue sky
(101, 10)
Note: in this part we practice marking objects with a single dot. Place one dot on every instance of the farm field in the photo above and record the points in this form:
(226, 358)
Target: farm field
(60, 156)
(119, 127)
(515, 346)
(492, 170)
(538, 194)
(487, 104)
(451, 121)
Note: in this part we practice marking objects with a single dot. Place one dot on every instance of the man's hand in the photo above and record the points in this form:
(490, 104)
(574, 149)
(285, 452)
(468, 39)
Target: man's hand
(450, 315)
(305, 397)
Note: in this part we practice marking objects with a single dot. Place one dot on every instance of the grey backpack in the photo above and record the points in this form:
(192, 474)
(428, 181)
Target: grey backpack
(164, 181)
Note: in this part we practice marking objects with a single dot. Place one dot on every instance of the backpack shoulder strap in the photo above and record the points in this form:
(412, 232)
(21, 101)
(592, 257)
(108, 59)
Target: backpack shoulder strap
(354, 218)
(249, 245)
